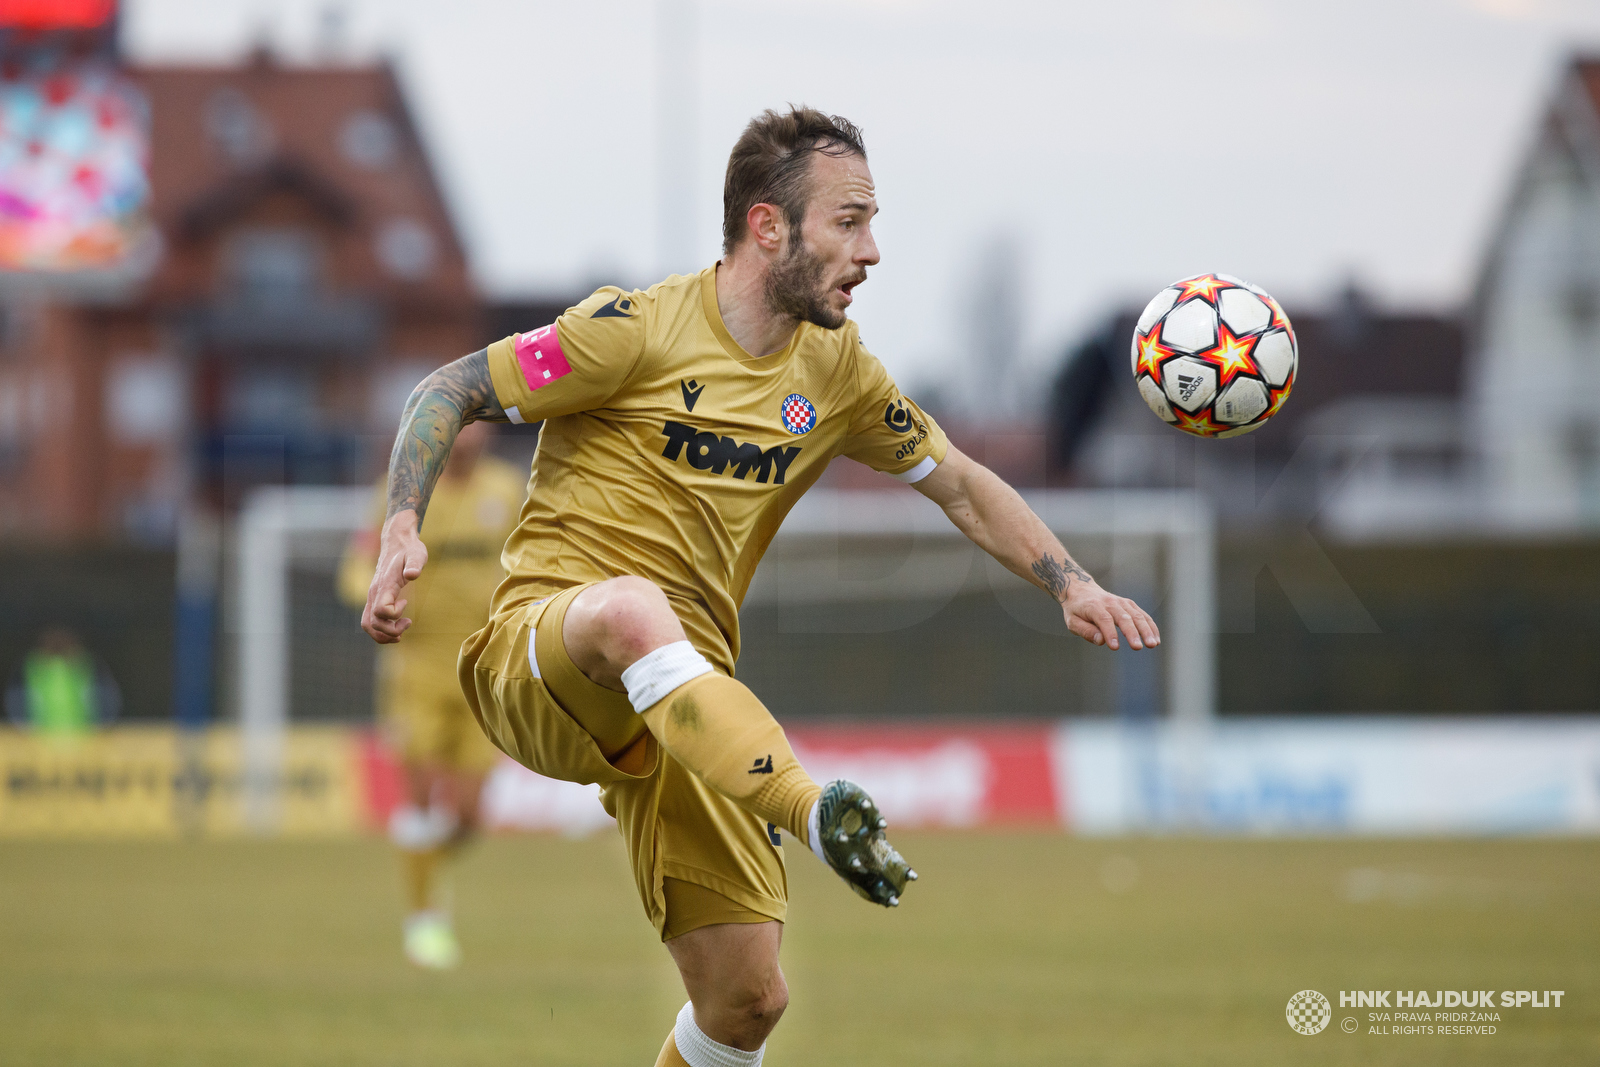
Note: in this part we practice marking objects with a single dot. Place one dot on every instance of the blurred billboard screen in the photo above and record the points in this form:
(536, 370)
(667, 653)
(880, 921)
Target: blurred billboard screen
(74, 140)
(57, 14)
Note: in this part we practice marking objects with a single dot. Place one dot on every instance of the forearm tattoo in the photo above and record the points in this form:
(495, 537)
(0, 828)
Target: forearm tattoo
(1056, 575)
(448, 399)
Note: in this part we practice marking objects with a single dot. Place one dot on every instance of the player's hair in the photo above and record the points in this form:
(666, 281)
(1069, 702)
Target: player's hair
(771, 164)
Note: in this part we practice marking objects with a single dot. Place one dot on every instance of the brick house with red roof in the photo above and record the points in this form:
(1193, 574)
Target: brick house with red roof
(307, 274)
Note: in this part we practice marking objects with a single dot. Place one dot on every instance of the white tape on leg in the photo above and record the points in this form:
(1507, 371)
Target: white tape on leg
(655, 674)
(698, 1050)
(814, 831)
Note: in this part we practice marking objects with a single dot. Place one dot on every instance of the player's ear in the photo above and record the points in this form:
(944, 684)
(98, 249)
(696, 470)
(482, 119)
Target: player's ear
(767, 224)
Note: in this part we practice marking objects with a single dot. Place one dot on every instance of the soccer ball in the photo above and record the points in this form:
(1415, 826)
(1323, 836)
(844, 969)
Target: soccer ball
(1214, 356)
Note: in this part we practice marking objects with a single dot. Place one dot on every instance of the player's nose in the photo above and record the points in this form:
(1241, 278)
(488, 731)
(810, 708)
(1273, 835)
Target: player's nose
(867, 253)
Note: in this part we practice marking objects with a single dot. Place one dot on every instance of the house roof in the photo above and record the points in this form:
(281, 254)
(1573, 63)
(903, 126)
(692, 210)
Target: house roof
(1357, 352)
(339, 140)
(1569, 127)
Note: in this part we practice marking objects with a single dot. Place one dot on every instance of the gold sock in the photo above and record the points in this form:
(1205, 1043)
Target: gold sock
(420, 865)
(717, 728)
(670, 1056)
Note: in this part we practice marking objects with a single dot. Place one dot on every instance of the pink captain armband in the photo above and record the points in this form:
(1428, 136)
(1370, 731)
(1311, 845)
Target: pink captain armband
(541, 359)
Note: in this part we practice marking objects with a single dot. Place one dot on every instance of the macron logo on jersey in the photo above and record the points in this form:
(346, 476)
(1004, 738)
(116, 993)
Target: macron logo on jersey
(540, 357)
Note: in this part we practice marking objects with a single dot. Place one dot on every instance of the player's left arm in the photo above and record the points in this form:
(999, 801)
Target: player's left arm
(999, 521)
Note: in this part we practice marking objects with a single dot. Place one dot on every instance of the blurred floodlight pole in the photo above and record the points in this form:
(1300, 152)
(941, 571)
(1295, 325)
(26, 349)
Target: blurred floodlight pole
(677, 129)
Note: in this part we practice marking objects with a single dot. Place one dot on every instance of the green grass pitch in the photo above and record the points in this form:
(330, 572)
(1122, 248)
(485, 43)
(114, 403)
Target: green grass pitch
(1018, 948)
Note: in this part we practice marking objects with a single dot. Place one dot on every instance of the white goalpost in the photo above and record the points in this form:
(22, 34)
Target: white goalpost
(272, 524)
(1162, 542)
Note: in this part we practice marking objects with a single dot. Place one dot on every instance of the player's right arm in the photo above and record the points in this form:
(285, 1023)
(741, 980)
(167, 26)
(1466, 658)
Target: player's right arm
(448, 399)
(575, 364)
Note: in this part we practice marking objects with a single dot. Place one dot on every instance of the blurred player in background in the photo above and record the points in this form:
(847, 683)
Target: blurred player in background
(680, 425)
(424, 717)
(62, 690)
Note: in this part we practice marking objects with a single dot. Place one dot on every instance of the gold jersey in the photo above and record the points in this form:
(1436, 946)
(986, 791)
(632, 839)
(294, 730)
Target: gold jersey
(670, 453)
(465, 529)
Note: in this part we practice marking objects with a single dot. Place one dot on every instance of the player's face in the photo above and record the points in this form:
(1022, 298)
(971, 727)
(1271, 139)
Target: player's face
(814, 278)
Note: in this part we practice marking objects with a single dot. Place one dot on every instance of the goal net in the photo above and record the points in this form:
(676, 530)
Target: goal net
(868, 604)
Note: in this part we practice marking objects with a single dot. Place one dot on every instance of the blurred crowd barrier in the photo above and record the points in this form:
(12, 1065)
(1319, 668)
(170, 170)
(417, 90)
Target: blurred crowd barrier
(1256, 776)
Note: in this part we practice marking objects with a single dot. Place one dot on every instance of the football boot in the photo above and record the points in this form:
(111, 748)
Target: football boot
(852, 841)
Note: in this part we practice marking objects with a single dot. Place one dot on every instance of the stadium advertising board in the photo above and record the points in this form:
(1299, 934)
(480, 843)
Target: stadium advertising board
(1360, 776)
(1491, 776)
(154, 781)
(921, 776)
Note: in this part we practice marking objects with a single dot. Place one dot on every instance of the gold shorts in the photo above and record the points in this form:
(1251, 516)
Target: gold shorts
(674, 825)
(422, 711)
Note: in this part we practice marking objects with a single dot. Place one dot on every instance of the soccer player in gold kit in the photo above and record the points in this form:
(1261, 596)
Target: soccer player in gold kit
(422, 712)
(681, 423)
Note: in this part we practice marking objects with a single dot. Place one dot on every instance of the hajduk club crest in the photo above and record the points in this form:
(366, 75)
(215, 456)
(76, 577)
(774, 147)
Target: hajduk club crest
(798, 414)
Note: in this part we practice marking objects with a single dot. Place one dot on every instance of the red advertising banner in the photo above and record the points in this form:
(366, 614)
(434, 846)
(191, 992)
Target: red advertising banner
(921, 775)
(938, 775)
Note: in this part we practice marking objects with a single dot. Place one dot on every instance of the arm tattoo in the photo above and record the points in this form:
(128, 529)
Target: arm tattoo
(448, 399)
(1056, 575)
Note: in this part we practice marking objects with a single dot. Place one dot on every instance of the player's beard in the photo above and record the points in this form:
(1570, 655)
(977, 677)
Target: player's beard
(796, 287)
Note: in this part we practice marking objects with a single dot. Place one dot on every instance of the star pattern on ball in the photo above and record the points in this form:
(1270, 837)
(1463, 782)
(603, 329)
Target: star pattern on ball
(1219, 347)
(1278, 397)
(1197, 424)
(1232, 355)
(1205, 287)
(1151, 353)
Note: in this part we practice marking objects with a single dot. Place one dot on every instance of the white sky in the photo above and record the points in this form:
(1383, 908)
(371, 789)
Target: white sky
(1119, 145)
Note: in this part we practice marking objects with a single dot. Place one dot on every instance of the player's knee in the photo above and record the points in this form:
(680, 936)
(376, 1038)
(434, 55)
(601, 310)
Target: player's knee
(631, 616)
(747, 1025)
(769, 1009)
(761, 1006)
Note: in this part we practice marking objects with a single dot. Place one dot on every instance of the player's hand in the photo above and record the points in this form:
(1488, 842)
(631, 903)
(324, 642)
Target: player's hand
(1095, 615)
(401, 557)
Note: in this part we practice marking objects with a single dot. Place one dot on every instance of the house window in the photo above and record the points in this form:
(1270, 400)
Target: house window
(275, 264)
